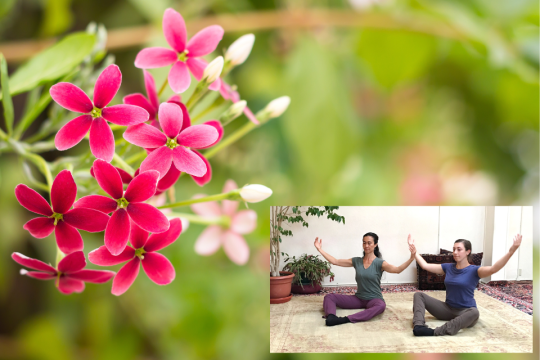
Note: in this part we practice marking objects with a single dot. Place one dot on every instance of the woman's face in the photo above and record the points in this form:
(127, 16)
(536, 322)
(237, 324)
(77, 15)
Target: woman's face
(369, 244)
(459, 252)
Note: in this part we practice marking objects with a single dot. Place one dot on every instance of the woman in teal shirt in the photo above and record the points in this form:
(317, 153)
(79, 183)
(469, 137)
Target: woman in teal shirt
(369, 270)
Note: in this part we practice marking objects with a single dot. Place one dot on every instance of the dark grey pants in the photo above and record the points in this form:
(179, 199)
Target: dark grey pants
(458, 318)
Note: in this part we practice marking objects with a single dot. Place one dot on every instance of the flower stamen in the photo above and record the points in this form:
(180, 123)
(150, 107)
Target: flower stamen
(122, 203)
(171, 143)
(139, 253)
(57, 217)
(96, 112)
(183, 56)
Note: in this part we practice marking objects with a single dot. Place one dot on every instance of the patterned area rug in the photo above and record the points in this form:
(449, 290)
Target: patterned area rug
(298, 327)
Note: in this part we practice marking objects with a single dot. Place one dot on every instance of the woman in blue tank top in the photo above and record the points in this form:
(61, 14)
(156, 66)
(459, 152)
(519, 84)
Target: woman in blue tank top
(461, 280)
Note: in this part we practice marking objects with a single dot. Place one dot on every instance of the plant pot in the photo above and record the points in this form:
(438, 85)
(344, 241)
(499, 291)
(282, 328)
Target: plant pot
(306, 288)
(280, 287)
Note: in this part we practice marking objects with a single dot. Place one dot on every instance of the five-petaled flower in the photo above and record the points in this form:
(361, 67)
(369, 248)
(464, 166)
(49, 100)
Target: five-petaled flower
(60, 218)
(125, 206)
(101, 137)
(173, 145)
(185, 54)
(229, 234)
(70, 275)
(142, 251)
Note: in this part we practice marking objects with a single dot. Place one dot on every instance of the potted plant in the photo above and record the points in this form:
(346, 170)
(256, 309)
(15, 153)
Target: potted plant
(281, 281)
(309, 272)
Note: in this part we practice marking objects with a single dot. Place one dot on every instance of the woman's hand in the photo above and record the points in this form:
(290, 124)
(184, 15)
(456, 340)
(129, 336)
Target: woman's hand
(318, 244)
(517, 242)
(410, 240)
(412, 249)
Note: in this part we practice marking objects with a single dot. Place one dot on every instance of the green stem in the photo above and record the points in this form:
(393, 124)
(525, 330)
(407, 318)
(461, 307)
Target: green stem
(231, 195)
(59, 256)
(29, 118)
(117, 127)
(134, 158)
(162, 89)
(122, 164)
(196, 219)
(200, 90)
(216, 104)
(231, 139)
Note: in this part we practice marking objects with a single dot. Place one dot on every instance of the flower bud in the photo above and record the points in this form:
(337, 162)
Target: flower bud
(239, 50)
(234, 111)
(213, 70)
(255, 193)
(277, 106)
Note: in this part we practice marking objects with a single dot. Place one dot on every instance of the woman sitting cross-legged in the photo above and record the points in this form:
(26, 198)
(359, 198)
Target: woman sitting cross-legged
(369, 270)
(461, 280)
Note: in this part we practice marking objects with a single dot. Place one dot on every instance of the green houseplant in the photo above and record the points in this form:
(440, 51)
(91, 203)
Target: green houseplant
(309, 272)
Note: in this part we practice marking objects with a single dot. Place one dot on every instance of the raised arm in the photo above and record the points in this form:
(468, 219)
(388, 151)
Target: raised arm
(434, 268)
(330, 258)
(485, 271)
(398, 269)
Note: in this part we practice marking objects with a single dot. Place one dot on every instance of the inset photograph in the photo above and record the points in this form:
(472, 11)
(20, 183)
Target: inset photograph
(438, 279)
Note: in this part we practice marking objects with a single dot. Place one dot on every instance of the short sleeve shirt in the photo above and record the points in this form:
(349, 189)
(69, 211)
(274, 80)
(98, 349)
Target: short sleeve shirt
(460, 285)
(368, 280)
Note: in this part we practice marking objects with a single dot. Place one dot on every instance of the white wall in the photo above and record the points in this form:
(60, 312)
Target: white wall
(432, 228)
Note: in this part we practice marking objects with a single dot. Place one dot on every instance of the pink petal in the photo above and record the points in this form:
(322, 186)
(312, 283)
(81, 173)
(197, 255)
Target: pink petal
(187, 161)
(68, 238)
(126, 177)
(155, 57)
(40, 227)
(141, 101)
(97, 202)
(72, 262)
(142, 187)
(202, 180)
(107, 85)
(159, 160)
(150, 86)
(206, 209)
(174, 29)
(159, 241)
(215, 85)
(179, 78)
(39, 275)
(244, 222)
(148, 217)
(145, 136)
(186, 121)
(125, 115)
(169, 179)
(73, 132)
(103, 257)
(198, 136)
(63, 192)
(170, 119)
(209, 241)
(87, 219)
(31, 200)
(67, 285)
(229, 206)
(249, 114)
(196, 66)
(158, 268)
(117, 232)
(32, 263)
(71, 97)
(125, 277)
(235, 247)
(93, 276)
(205, 41)
(217, 125)
(108, 178)
(137, 236)
(101, 140)
(175, 99)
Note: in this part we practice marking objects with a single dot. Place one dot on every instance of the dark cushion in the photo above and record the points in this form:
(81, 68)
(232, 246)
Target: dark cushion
(476, 258)
(430, 281)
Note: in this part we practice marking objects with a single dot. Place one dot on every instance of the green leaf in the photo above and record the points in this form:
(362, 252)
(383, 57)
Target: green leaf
(7, 102)
(52, 63)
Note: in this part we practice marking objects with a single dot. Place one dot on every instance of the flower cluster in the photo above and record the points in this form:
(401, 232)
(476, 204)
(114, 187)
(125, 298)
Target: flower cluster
(134, 229)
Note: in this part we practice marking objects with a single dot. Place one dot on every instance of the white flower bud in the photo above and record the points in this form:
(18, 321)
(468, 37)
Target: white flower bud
(234, 111)
(213, 70)
(255, 193)
(278, 106)
(239, 50)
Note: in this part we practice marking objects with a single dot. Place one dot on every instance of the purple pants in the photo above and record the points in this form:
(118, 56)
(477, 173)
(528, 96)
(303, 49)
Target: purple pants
(373, 307)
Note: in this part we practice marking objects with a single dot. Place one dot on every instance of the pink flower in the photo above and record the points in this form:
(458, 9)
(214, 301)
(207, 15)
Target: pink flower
(70, 275)
(184, 55)
(229, 94)
(60, 218)
(101, 137)
(173, 145)
(142, 251)
(241, 222)
(125, 206)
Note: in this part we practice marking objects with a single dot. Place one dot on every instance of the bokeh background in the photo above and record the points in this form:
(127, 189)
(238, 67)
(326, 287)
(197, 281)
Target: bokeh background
(392, 103)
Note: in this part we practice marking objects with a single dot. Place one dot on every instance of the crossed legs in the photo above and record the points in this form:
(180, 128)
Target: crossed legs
(373, 307)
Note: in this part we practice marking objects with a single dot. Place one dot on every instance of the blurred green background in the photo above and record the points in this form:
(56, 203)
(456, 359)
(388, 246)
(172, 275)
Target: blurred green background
(392, 103)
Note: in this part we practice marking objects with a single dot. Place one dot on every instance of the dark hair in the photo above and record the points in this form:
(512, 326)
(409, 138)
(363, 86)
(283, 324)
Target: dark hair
(468, 246)
(376, 241)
